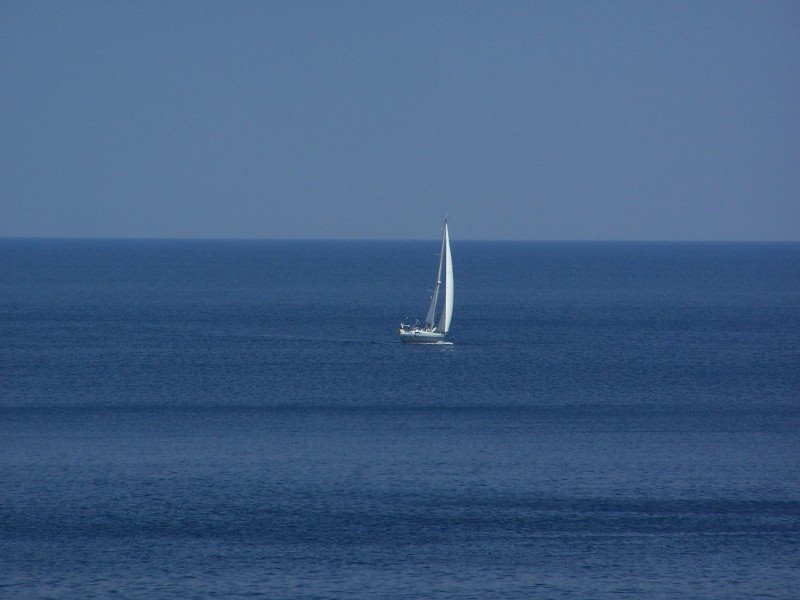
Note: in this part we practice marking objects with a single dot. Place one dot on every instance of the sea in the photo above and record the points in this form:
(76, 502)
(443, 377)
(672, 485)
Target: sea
(200, 419)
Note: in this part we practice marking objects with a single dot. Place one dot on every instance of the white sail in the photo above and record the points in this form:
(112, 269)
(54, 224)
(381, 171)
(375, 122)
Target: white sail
(430, 319)
(447, 313)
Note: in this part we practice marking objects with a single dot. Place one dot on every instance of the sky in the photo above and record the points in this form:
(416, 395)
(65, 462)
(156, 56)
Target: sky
(369, 120)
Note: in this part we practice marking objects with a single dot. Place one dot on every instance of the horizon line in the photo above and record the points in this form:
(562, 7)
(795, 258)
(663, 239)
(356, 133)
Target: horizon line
(325, 239)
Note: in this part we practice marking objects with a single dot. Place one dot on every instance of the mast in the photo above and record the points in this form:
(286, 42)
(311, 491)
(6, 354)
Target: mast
(447, 313)
(430, 319)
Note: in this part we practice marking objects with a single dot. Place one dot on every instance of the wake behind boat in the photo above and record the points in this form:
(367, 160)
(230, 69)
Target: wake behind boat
(430, 332)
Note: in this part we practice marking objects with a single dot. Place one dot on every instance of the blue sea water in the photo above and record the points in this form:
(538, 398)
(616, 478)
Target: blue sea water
(223, 418)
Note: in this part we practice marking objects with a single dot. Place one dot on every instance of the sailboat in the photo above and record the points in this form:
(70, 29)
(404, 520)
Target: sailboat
(430, 332)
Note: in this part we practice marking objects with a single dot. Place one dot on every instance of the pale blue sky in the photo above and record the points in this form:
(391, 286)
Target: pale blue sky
(526, 120)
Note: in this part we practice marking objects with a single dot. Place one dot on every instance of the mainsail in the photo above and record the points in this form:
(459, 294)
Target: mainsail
(446, 261)
(430, 319)
(447, 313)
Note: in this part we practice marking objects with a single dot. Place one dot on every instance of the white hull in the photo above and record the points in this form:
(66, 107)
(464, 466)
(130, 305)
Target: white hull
(420, 336)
